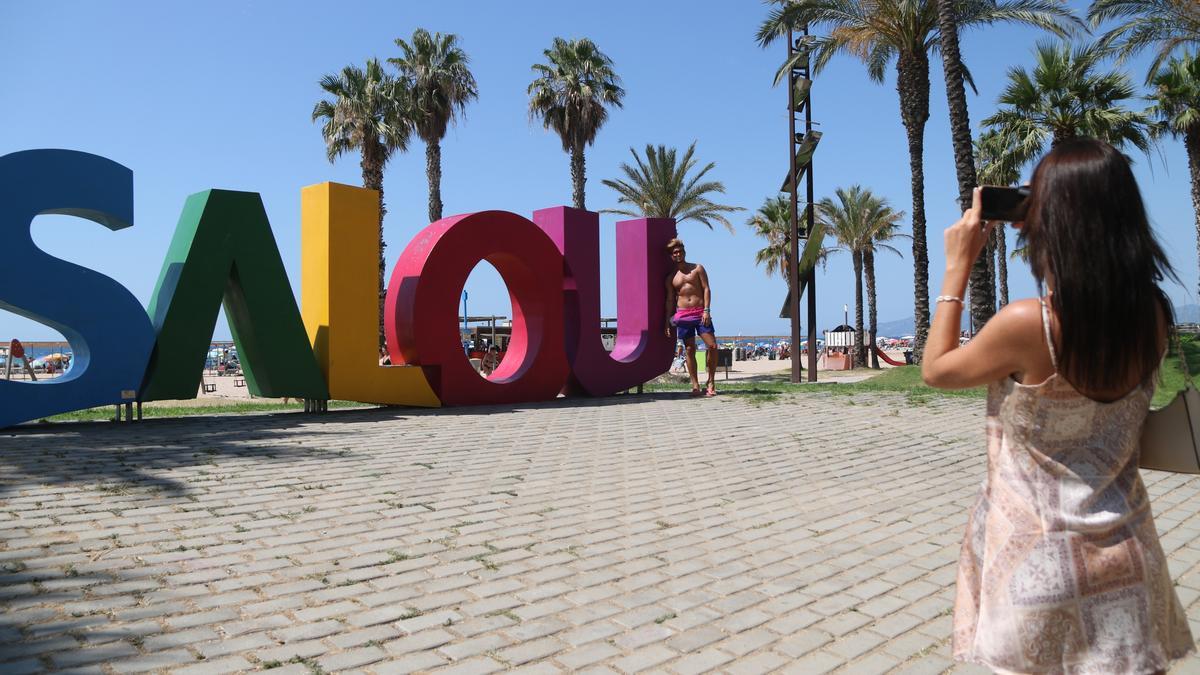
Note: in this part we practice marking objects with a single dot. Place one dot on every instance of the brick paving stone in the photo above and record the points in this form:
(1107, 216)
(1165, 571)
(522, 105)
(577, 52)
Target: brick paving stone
(478, 626)
(596, 630)
(587, 655)
(816, 663)
(539, 668)
(294, 650)
(347, 609)
(803, 642)
(874, 664)
(831, 543)
(179, 639)
(908, 645)
(895, 624)
(238, 645)
(428, 639)
(465, 649)
(23, 667)
(762, 662)
(645, 635)
(262, 623)
(748, 641)
(643, 659)
(411, 663)
(155, 661)
(695, 639)
(351, 659)
(701, 662)
(477, 666)
(855, 644)
(228, 664)
(79, 657)
(361, 637)
(927, 665)
(531, 630)
(530, 651)
(307, 631)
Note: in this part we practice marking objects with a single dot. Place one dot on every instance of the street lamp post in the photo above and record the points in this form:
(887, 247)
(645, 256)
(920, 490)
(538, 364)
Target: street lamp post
(466, 349)
(799, 73)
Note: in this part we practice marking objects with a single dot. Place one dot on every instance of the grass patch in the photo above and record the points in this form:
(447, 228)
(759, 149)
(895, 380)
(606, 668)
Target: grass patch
(901, 380)
(1171, 377)
(906, 380)
(105, 413)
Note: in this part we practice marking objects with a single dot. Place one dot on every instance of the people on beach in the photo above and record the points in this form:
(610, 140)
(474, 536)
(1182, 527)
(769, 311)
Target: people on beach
(1061, 569)
(491, 359)
(689, 301)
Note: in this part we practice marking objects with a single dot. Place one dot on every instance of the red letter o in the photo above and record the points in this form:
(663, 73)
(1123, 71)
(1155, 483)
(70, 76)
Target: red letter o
(421, 315)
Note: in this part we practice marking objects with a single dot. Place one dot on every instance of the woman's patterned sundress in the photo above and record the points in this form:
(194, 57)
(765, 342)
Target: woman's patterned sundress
(1061, 570)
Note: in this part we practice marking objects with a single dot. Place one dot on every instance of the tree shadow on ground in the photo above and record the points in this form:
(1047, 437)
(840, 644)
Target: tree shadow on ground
(118, 456)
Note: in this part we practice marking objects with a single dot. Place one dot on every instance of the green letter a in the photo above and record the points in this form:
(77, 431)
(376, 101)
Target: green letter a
(223, 249)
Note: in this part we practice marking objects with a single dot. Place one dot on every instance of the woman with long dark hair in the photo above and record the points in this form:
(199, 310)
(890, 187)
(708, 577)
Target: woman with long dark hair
(1061, 569)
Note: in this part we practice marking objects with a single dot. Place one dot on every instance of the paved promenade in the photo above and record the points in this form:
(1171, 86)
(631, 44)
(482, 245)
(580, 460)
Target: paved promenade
(742, 534)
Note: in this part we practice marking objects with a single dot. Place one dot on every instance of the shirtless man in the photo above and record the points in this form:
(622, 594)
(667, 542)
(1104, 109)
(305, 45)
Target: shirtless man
(688, 301)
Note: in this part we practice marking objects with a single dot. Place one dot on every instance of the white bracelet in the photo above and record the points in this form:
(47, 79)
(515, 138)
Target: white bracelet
(949, 298)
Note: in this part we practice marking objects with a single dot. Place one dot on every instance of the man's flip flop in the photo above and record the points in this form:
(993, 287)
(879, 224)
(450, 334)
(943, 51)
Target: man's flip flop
(696, 393)
(711, 392)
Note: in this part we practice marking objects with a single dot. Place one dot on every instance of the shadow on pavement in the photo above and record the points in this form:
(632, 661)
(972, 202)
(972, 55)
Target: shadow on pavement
(132, 455)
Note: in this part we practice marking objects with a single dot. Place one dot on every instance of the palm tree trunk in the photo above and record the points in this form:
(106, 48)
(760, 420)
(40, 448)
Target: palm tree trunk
(577, 175)
(1191, 141)
(983, 296)
(433, 170)
(860, 355)
(372, 175)
(912, 83)
(989, 263)
(872, 320)
(1001, 266)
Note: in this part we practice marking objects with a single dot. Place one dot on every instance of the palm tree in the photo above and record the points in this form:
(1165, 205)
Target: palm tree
(772, 221)
(861, 222)
(982, 280)
(1062, 98)
(992, 169)
(659, 187)
(438, 76)
(1163, 24)
(571, 95)
(1176, 107)
(880, 31)
(886, 232)
(368, 113)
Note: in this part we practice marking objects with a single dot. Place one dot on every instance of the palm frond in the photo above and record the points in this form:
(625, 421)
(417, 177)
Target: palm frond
(1064, 96)
(367, 108)
(1164, 26)
(664, 185)
(439, 79)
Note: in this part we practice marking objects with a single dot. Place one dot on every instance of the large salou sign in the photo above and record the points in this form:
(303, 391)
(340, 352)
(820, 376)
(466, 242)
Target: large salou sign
(224, 253)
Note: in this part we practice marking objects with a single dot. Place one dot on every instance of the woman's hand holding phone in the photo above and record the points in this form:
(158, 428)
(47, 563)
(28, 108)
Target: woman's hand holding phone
(966, 238)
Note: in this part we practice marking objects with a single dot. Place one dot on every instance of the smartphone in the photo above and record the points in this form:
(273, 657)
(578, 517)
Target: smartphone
(1004, 203)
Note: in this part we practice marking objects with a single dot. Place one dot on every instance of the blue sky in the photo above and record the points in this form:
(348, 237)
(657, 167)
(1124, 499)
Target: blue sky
(218, 94)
